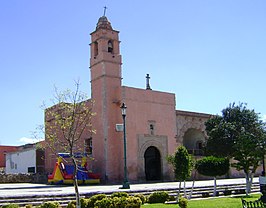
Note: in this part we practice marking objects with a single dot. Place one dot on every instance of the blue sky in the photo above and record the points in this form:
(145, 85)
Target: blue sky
(208, 52)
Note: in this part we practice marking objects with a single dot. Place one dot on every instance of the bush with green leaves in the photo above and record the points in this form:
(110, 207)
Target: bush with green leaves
(133, 202)
(119, 194)
(142, 197)
(71, 204)
(83, 203)
(213, 166)
(10, 206)
(183, 202)
(158, 197)
(49, 205)
(119, 202)
(105, 202)
(93, 199)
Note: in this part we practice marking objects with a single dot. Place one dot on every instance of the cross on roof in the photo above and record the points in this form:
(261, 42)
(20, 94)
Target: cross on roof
(104, 11)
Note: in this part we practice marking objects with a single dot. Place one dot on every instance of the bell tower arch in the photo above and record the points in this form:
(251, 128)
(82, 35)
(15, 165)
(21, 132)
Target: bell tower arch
(105, 68)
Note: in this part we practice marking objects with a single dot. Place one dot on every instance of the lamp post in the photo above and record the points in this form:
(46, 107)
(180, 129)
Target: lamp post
(125, 183)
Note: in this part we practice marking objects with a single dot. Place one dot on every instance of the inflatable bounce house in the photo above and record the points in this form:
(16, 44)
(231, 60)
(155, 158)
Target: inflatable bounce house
(63, 174)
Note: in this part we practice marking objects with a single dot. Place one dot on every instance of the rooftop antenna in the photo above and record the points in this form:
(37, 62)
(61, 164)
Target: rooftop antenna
(148, 87)
(104, 11)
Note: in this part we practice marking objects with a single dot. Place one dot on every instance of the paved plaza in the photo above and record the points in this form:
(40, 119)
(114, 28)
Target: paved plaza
(28, 189)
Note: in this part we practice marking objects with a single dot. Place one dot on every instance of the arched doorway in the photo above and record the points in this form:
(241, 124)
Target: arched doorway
(193, 141)
(152, 158)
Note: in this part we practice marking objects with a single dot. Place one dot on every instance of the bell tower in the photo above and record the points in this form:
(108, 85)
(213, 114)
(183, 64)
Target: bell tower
(105, 67)
(105, 54)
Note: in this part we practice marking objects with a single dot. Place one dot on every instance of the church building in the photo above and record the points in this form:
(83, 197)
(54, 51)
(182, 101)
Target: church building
(154, 128)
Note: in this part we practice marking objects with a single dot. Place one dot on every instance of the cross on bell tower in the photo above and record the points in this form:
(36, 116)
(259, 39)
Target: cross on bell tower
(104, 11)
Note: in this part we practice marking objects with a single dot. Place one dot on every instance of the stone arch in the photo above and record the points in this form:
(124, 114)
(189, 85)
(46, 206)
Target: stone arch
(193, 140)
(199, 126)
(152, 164)
(161, 145)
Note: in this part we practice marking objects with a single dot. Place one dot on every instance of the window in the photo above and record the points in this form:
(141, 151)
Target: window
(88, 146)
(95, 48)
(151, 127)
(110, 46)
(31, 169)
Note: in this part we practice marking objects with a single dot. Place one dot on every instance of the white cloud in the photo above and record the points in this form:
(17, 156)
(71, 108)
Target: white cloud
(26, 140)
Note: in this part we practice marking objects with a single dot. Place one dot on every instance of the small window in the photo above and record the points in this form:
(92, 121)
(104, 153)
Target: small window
(31, 169)
(151, 129)
(95, 48)
(88, 146)
(110, 46)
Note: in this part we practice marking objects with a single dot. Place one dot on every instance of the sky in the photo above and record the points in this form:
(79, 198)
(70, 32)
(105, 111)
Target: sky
(210, 53)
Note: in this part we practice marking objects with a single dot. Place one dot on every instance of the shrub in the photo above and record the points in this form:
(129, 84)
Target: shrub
(83, 203)
(158, 197)
(49, 205)
(212, 166)
(71, 204)
(28, 206)
(182, 202)
(119, 202)
(10, 206)
(142, 197)
(119, 194)
(133, 202)
(104, 203)
(172, 198)
(91, 201)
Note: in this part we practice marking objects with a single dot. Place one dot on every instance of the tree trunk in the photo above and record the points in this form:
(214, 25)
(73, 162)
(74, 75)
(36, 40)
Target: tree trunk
(185, 191)
(192, 188)
(178, 193)
(214, 188)
(249, 181)
(76, 183)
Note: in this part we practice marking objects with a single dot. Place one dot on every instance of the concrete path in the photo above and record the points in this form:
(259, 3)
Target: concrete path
(26, 189)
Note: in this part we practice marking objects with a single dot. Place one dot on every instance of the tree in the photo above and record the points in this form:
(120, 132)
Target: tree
(213, 166)
(183, 165)
(66, 123)
(240, 135)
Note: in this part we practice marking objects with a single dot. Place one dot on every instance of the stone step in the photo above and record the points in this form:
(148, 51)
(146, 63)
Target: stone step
(64, 199)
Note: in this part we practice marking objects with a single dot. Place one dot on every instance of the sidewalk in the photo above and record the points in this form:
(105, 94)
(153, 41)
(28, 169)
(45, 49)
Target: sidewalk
(26, 189)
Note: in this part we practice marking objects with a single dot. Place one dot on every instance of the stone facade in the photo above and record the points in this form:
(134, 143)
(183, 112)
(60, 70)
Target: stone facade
(23, 178)
(191, 130)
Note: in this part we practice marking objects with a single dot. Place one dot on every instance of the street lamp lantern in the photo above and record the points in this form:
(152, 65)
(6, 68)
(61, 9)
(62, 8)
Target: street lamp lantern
(123, 110)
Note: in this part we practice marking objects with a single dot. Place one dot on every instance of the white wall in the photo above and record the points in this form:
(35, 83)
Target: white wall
(20, 161)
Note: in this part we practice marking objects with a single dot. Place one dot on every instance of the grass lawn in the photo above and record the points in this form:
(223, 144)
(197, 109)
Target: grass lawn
(222, 202)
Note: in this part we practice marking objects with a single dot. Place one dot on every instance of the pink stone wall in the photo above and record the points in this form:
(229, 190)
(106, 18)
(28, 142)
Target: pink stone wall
(144, 106)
